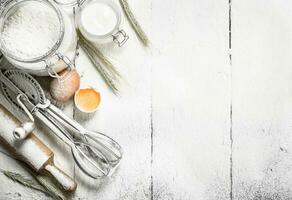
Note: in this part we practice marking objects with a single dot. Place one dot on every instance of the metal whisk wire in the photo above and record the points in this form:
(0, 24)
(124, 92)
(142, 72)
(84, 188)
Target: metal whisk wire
(105, 144)
(94, 152)
(79, 152)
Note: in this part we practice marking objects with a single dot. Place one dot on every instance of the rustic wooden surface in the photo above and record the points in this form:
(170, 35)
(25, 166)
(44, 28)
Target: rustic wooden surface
(204, 113)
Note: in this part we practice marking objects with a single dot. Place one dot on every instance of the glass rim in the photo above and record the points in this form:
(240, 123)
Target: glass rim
(10, 5)
(72, 3)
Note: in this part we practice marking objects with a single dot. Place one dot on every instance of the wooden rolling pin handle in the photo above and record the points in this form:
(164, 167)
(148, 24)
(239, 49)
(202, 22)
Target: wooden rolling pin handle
(64, 180)
(31, 149)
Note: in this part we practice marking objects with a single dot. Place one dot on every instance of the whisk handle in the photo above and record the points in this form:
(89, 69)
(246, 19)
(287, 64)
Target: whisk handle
(67, 121)
(63, 179)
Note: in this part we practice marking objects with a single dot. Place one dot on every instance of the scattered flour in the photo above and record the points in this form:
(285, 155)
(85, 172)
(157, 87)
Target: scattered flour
(31, 30)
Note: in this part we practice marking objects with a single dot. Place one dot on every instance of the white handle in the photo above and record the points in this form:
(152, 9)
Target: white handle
(21, 132)
(63, 179)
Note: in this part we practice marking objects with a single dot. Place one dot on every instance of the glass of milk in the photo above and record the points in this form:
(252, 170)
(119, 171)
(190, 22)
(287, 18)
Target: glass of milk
(99, 21)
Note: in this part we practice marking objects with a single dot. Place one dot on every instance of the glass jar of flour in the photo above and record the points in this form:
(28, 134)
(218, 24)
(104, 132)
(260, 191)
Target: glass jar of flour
(37, 36)
(98, 20)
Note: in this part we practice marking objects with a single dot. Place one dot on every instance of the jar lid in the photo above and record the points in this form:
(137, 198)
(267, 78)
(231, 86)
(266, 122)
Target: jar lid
(30, 30)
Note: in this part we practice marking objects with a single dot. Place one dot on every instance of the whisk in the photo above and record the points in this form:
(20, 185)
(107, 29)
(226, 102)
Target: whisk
(95, 153)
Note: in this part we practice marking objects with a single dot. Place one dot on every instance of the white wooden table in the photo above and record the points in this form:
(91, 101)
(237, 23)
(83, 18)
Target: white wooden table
(205, 113)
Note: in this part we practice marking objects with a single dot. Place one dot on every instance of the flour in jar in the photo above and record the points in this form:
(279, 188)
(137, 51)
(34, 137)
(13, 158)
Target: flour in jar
(31, 30)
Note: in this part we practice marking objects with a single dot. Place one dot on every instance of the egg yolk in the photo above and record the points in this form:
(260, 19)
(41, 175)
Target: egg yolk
(87, 99)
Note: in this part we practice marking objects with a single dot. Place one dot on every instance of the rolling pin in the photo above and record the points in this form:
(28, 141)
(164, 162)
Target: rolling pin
(32, 151)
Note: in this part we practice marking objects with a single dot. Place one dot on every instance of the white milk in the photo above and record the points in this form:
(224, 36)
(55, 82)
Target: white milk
(98, 19)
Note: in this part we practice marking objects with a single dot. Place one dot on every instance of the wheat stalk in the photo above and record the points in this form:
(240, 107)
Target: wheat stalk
(107, 78)
(107, 70)
(134, 23)
(48, 185)
(41, 183)
(25, 181)
(99, 54)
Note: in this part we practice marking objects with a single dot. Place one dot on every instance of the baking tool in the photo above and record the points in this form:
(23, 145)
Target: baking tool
(95, 153)
(25, 128)
(33, 151)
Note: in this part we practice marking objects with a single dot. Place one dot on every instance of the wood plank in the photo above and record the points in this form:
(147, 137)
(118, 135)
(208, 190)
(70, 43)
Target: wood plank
(188, 115)
(191, 100)
(262, 101)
